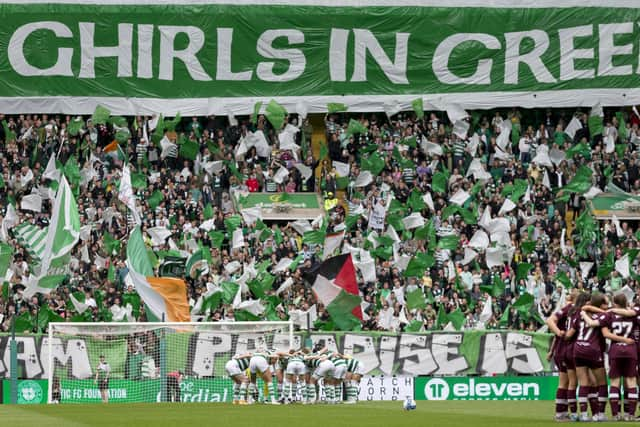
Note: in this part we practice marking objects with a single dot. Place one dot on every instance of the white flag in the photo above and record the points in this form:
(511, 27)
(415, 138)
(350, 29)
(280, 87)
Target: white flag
(428, 201)
(342, 169)
(412, 221)
(460, 197)
(486, 313)
(527, 195)
(480, 240)
(213, 167)
(158, 235)
(460, 129)
(10, 220)
(391, 108)
(593, 192)
(494, 257)
(331, 243)
(258, 140)
(364, 178)
(79, 306)
(557, 156)
(238, 239)
(282, 265)
(432, 148)
(280, 176)
(455, 112)
(507, 206)
(251, 215)
(616, 224)
(585, 268)
(366, 266)
(469, 255)
(126, 196)
(25, 179)
(503, 140)
(169, 149)
(563, 245)
(304, 170)
(51, 172)
(472, 145)
(622, 266)
(574, 126)
(301, 226)
(302, 109)
(31, 202)
(285, 285)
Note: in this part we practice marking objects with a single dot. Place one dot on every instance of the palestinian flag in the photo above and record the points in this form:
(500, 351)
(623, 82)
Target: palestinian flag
(165, 297)
(335, 286)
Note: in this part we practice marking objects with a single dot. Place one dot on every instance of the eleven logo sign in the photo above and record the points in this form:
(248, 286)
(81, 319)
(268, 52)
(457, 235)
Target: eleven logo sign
(491, 388)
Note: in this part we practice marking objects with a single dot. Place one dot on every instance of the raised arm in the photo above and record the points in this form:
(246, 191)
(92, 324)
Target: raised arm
(592, 309)
(625, 312)
(589, 321)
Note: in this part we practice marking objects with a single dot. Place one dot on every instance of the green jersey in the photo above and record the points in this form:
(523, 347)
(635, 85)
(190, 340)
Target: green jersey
(352, 365)
(296, 358)
(312, 363)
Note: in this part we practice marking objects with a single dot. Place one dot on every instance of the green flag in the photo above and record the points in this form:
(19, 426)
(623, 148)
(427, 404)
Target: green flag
(606, 267)
(256, 112)
(564, 279)
(100, 115)
(457, 318)
(414, 326)
(208, 211)
(324, 150)
(442, 319)
(504, 319)
(75, 126)
(355, 127)
(171, 125)
(138, 180)
(373, 163)
(622, 126)
(579, 149)
(72, 171)
(155, 199)
(111, 244)
(6, 256)
(581, 182)
(229, 289)
(419, 264)
(595, 123)
(314, 236)
(415, 299)
(275, 113)
(527, 247)
(189, 149)
(524, 303)
(418, 107)
(217, 237)
(449, 242)
(340, 309)
(232, 223)
(439, 182)
(336, 107)
(111, 273)
(523, 270)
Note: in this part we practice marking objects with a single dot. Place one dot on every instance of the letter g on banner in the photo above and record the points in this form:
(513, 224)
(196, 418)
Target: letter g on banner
(436, 389)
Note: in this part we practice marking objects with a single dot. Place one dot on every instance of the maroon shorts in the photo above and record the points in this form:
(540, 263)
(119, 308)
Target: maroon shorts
(588, 359)
(560, 358)
(626, 367)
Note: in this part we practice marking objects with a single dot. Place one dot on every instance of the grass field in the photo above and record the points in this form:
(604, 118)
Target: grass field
(383, 414)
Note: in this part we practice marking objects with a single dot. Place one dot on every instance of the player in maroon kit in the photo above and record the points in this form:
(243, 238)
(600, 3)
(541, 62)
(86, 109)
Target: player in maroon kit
(562, 352)
(623, 359)
(588, 354)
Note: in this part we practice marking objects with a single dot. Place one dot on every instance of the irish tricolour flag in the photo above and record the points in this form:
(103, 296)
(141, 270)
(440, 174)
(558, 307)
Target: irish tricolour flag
(165, 297)
(334, 283)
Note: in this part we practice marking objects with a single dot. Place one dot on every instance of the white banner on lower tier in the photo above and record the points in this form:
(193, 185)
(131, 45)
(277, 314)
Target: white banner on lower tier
(385, 388)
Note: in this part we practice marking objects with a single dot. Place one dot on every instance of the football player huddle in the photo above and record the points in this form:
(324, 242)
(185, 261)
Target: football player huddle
(582, 328)
(298, 375)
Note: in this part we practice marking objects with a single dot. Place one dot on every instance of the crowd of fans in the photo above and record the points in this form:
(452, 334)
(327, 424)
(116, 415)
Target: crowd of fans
(191, 193)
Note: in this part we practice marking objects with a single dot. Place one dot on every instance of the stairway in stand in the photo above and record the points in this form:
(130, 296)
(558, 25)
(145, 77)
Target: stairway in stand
(317, 139)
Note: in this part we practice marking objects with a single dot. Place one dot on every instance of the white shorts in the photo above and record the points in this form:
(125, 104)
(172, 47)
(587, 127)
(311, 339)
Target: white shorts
(339, 372)
(324, 370)
(232, 368)
(296, 368)
(258, 365)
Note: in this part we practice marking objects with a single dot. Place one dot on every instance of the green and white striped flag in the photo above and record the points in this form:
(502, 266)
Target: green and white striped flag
(64, 229)
(32, 238)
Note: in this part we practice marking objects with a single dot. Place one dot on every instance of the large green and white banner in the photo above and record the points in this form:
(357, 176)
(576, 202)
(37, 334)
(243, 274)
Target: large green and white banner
(204, 354)
(221, 56)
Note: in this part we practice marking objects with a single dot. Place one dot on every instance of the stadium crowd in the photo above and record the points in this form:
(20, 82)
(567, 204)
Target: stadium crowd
(430, 179)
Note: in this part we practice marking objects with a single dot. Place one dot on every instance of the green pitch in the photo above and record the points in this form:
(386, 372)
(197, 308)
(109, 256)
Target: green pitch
(384, 414)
